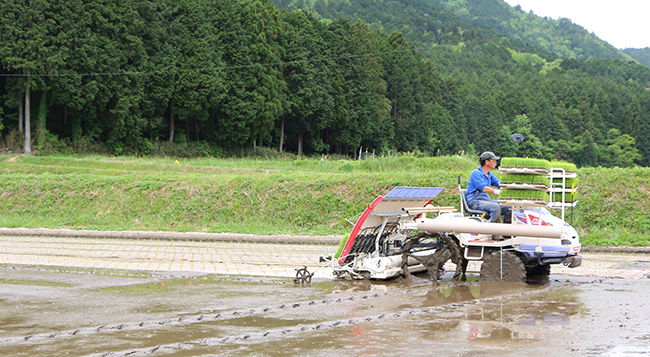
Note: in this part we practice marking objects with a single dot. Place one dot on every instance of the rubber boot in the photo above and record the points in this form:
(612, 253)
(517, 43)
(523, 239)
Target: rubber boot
(497, 237)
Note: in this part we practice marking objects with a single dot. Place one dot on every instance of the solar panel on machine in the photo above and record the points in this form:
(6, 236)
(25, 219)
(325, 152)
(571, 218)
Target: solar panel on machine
(413, 193)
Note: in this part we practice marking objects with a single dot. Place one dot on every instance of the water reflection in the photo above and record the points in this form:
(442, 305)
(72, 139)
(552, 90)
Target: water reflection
(527, 318)
(530, 311)
(320, 319)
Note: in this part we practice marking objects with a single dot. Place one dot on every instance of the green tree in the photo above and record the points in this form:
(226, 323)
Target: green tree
(192, 50)
(250, 37)
(309, 90)
(622, 148)
(561, 150)
(360, 89)
(71, 92)
(337, 40)
(418, 118)
(267, 48)
(26, 28)
(586, 152)
(530, 147)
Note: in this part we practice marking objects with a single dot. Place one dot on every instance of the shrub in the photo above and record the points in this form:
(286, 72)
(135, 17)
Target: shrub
(143, 146)
(13, 142)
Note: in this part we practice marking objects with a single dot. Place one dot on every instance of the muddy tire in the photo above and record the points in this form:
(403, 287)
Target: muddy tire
(513, 268)
(538, 272)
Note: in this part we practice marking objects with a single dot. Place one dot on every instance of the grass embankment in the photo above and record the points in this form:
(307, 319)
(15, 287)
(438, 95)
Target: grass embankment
(300, 197)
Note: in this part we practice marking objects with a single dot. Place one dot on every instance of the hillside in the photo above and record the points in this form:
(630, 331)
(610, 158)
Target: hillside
(561, 37)
(426, 22)
(640, 54)
(295, 197)
(576, 108)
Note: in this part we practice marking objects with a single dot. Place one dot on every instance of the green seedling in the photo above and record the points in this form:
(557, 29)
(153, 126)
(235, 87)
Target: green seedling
(525, 162)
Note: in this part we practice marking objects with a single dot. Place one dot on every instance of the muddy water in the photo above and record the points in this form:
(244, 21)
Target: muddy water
(56, 311)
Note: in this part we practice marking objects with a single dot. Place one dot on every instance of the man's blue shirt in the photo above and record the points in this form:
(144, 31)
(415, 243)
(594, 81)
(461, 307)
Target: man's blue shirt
(478, 181)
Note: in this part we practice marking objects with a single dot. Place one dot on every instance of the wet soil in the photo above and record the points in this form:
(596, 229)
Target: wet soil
(149, 297)
(56, 310)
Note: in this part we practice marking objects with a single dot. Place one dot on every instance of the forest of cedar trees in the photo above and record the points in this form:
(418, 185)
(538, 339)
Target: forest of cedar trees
(231, 77)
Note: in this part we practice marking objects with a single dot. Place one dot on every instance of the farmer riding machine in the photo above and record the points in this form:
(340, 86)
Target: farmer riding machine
(403, 233)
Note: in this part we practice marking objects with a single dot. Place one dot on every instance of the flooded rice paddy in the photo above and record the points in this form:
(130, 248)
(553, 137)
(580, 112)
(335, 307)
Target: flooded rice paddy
(85, 307)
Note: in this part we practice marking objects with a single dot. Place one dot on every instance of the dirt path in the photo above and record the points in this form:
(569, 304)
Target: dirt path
(237, 257)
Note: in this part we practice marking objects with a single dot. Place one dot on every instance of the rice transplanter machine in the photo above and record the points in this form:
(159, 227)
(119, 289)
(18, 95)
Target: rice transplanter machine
(403, 233)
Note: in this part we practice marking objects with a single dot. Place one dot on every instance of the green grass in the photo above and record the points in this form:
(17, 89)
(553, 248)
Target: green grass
(32, 282)
(525, 162)
(568, 197)
(568, 182)
(567, 166)
(298, 197)
(525, 195)
(532, 179)
(536, 195)
(238, 196)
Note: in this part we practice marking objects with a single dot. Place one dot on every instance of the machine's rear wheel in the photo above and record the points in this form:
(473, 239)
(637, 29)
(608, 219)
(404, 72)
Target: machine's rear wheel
(446, 249)
(538, 272)
(503, 266)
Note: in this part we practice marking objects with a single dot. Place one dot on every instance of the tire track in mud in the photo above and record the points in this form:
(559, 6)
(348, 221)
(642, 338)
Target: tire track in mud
(260, 311)
(292, 331)
(148, 274)
(190, 319)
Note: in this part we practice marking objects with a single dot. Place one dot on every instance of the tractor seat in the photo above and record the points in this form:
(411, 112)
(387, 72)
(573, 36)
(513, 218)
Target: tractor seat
(469, 211)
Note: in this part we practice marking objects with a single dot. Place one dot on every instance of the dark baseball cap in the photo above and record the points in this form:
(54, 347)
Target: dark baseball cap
(489, 155)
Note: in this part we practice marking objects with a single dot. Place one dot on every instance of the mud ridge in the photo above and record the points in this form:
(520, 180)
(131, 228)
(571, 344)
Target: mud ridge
(199, 318)
(286, 331)
(150, 274)
(196, 236)
(186, 319)
(202, 317)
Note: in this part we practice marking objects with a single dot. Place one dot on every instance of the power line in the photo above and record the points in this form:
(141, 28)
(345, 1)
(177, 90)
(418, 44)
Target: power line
(223, 68)
(211, 69)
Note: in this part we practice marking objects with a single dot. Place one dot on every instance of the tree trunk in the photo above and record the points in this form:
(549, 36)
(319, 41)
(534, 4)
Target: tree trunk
(28, 134)
(171, 125)
(326, 139)
(41, 121)
(281, 135)
(300, 136)
(187, 129)
(21, 116)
